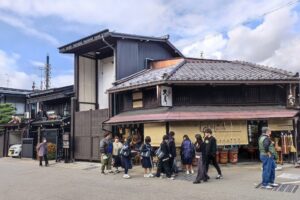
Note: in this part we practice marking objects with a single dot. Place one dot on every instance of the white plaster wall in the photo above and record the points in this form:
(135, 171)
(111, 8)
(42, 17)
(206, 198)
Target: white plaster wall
(87, 83)
(106, 76)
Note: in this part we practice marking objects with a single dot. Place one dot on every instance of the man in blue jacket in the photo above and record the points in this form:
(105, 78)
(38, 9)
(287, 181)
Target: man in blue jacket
(267, 155)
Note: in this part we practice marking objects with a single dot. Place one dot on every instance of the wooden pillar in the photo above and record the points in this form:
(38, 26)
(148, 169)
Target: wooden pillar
(296, 125)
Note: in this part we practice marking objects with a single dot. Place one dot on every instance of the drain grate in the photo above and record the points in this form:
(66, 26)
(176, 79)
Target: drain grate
(186, 177)
(290, 188)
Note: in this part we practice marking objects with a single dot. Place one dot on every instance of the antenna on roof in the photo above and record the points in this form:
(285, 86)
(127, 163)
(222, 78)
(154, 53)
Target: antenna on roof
(33, 86)
(201, 54)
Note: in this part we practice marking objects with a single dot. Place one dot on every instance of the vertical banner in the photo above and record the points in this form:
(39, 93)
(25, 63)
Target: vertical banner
(166, 96)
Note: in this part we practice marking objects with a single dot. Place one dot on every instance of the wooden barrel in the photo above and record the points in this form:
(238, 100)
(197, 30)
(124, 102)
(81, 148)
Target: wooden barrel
(224, 156)
(233, 156)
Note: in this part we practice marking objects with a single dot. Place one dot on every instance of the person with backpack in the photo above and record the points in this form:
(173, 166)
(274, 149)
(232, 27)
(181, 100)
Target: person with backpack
(187, 153)
(146, 153)
(117, 146)
(211, 152)
(163, 154)
(105, 152)
(126, 157)
(267, 155)
(200, 154)
(172, 147)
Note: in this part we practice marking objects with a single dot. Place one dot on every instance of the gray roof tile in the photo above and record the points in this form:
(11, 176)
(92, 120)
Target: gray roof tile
(206, 70)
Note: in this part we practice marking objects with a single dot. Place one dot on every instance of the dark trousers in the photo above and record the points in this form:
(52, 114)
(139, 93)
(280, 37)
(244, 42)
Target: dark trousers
(163, 166)
(201, 175)
(212, 159)
(41, 160)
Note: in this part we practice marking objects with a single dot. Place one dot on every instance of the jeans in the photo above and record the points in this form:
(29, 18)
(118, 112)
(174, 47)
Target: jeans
(268, 173)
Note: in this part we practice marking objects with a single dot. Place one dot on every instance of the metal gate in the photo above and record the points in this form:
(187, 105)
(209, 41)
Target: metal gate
(27, 148)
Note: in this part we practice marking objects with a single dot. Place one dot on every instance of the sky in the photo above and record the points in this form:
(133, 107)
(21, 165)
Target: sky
(265, 32)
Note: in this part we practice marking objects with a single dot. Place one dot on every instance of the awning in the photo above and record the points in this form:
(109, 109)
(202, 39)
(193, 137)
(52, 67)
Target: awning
(195, 113)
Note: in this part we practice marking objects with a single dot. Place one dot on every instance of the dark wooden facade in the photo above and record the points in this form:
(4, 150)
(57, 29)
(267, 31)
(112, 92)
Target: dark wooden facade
(133, 56)
(208, 95)
(229, 95)
(125, 101)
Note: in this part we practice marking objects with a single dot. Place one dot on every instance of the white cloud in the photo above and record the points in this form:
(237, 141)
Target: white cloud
(62, 80)
(194, 25)
(211, 47)
(37, 63)
(21, 25)
(11, 75)
(271, 43)
(287, 56)
(260, 43)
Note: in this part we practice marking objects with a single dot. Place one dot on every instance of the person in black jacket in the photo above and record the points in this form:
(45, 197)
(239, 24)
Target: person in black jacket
(163, 163)
(172, 148)
(211, 150)
(200, 155)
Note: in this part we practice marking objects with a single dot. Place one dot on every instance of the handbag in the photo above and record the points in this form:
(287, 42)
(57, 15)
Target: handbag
(159, 153)
(125, 151)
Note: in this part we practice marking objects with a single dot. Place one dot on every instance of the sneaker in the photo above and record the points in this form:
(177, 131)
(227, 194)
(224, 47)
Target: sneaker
(103, 173)
(117, 171)
(187, 172)
(219, 177)
(171, 178)
(126, 176)
(192, 172)
(196, 182)
(150, 175)
(146, 175)
(273, 184)
(267, 187)
(110, 171)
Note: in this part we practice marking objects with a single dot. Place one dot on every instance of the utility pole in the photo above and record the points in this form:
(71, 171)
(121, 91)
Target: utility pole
(47, 73)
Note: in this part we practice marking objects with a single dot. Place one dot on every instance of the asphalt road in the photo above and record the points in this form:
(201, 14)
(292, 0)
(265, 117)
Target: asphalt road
(25, 180)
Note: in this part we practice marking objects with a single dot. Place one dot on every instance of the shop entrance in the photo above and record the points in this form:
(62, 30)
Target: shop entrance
(136, 131)
(250, 152)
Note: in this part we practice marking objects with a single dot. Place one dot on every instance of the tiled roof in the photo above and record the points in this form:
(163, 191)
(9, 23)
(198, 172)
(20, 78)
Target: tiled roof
(205, 70)
(199, 69)
(13, 91)
(150, 76)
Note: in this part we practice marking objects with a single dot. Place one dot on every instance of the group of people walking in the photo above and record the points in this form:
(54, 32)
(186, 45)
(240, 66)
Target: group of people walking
(119, 155)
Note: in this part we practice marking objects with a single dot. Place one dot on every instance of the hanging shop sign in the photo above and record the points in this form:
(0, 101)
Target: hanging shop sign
(166, 96)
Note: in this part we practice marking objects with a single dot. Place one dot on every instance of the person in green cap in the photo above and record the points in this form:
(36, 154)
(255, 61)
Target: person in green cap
(267, 156)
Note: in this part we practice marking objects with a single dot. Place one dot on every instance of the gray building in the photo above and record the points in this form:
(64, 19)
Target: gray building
(17, 97)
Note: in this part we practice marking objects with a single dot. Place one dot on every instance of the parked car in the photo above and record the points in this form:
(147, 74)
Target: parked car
(15, 150)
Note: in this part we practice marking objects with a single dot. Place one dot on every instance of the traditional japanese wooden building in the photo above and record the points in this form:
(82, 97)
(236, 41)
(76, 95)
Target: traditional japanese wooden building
(12, 133)
(138, 85)
(50, 117)
(100, 60)
(185, 95)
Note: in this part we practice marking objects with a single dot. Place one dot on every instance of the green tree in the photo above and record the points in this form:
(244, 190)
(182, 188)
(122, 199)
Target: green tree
(6, 111)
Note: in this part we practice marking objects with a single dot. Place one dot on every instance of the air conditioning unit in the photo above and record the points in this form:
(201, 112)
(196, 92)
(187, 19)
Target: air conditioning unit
(27, 115)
